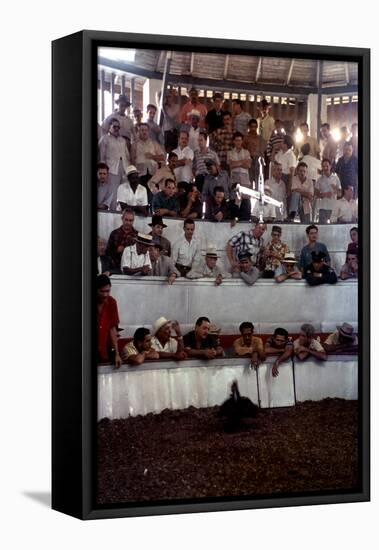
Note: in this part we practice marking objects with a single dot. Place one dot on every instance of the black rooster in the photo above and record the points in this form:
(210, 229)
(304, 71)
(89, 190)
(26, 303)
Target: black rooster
(236, 408)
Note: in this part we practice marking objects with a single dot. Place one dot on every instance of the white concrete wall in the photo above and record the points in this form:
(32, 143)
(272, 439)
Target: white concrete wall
(153, 387)
(267, 304)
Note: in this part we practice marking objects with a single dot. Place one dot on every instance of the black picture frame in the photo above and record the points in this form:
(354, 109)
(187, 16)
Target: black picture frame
(74, 229)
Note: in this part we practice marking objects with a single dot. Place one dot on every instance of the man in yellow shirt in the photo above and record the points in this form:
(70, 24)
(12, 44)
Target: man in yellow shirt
(248, 345)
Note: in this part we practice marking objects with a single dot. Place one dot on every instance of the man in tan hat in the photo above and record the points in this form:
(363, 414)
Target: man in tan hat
(208, 268)
(287, 269)
(162, 266)
(162, 341)
(135, 259)
(132, 194)
(342, 339)
(126, 123)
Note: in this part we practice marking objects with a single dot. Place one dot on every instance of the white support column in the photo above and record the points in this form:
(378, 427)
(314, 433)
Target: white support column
(150, 92)
(312, 113)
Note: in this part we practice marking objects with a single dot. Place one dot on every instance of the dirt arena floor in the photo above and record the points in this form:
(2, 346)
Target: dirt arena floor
(187, 454)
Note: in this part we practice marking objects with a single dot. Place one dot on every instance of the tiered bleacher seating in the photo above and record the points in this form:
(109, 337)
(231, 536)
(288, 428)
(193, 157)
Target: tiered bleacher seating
(157, 385)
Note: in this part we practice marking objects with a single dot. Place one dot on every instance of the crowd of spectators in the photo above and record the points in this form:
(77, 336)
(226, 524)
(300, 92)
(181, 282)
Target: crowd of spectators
(166, 341)
(191, 164)
(189, 167)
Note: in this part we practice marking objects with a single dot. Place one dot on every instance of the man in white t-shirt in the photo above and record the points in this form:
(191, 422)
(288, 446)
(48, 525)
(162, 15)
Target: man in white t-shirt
(278, 189)
(345, 209)
(327, 189)
(183, 170)
(132, 194)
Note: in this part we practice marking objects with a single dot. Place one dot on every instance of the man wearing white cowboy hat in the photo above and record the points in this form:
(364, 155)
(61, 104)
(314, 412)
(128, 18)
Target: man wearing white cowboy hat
(208, 268)
(126, 123)
(162, 341)
(135, 259)
(287, 269)
(132, 194)
(342, 339)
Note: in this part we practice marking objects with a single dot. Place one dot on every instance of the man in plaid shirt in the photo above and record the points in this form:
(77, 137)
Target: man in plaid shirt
(222, 139)
(247, 241)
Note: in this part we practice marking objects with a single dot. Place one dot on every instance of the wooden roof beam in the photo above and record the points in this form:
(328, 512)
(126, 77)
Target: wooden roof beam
(290, 71)
(259, 68)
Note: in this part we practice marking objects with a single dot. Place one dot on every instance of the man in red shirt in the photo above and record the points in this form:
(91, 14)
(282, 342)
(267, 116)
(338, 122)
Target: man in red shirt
(107, 322)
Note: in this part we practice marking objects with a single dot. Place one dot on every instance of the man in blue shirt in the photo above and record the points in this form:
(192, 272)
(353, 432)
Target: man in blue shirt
(347, 168)
(164, 202)
(312, 246)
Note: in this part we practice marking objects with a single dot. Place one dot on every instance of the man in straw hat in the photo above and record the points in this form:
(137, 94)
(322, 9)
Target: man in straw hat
(135, 259)
(162, 341)
(342, 339)
(208, 268)
(287, 269)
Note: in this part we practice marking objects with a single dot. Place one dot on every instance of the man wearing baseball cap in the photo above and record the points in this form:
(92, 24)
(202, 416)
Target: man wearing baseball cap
(162, 341)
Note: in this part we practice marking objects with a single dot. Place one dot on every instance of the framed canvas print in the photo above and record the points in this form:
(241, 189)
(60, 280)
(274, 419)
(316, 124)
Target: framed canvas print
(210, 274)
